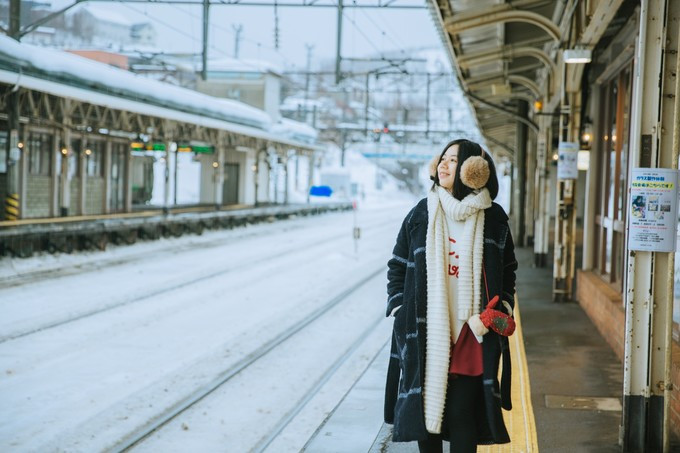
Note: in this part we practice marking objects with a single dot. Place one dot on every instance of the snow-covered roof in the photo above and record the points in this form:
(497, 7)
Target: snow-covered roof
(234, 65)
(107, 15)
(69, 75)
(81, 72)
(296, 130)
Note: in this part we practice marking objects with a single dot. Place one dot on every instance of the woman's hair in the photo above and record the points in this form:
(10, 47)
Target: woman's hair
(466, 149)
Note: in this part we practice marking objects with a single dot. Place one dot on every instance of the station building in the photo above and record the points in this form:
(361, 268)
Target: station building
(600, 78)
(97, 140)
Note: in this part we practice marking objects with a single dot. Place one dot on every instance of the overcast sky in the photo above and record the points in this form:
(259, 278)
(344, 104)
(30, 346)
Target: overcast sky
(365, 31)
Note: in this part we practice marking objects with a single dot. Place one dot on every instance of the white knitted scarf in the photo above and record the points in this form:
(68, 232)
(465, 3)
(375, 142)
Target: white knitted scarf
(441, 203)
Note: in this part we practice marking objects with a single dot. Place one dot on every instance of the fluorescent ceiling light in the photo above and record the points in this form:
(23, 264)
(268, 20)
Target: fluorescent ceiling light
(577, 55)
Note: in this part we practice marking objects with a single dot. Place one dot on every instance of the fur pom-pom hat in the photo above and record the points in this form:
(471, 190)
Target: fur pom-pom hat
(475, 172)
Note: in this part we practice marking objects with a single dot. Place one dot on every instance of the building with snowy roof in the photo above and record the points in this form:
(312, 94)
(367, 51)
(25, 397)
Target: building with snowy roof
(94, 139)
(104, 26)
(253, 82)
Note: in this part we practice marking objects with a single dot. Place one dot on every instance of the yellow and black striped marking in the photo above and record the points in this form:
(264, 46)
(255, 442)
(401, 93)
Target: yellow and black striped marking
(520, 420)
(12, 206)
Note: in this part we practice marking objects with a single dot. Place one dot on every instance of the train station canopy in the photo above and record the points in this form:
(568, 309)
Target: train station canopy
(506, 52)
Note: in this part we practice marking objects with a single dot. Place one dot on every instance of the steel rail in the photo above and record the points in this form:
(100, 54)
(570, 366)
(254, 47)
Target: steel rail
(290, 415)
(137, 436)
(166, 289)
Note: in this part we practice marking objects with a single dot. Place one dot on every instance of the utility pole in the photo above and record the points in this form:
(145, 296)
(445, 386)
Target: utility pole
(13, 149)
(309, 47)
(276, 25)
(427, 108)
(338, 58)
(206, 23)
(237, 40)
(368, 79)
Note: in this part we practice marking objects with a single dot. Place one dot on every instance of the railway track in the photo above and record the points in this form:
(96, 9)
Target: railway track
(160, 356)
(97, 265)
(182, 403)
(291, 414)
(179, 285)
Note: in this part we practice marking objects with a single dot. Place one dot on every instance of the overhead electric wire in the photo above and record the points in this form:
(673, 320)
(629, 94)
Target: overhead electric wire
(400, 47)
(356, 26)
(193, 38)
(231, 32)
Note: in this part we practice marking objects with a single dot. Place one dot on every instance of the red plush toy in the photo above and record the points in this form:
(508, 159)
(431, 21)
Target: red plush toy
(496, 320)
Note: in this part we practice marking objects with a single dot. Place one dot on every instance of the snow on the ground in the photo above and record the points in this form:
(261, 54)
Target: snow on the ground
(205, 302)
(276, 383)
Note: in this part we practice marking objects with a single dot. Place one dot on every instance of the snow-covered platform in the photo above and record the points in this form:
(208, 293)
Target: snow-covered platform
(566, 385)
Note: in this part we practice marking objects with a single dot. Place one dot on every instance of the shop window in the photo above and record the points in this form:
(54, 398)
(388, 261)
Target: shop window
(613, 158)
(39, 148)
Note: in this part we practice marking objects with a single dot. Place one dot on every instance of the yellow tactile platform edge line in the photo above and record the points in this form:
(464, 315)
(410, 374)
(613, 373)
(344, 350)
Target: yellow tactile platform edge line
(520, 420)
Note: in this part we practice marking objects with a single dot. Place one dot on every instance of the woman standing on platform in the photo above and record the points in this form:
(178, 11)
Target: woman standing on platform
(451, 285)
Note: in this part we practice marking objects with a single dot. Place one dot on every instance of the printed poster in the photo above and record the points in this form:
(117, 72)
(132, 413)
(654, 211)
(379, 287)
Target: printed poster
(653, 215)
(567, 163)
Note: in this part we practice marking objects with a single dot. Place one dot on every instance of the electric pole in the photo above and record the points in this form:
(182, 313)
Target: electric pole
(368, 79)
(206, 23)
(309, 68)
(237, 40)
(427, 108)
(338, 58)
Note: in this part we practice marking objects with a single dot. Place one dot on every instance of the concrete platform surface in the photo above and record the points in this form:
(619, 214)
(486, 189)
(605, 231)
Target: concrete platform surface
(574, 390)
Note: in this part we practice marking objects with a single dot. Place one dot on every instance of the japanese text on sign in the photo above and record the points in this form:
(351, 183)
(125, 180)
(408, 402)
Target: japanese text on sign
(653, 218)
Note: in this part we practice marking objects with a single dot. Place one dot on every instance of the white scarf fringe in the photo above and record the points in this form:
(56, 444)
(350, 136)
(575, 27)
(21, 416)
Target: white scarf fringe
(441, 203)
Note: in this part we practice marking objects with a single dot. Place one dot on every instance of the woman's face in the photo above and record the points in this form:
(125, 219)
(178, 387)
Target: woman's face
(446, 170)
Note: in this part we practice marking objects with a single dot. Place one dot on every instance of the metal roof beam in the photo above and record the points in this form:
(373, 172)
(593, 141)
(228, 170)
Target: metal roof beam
(517, 80)
(504, 74)
(527, 83)
(533, 126)
(465, 61)
(512, 95)
(506, 148)
(501, 14)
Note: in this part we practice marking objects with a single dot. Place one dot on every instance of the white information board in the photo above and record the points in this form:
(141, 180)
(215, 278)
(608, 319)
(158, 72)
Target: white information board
(567, 163)
(653, 210)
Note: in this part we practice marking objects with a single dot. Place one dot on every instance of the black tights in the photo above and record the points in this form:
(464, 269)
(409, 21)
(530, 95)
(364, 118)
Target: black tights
(464, 403)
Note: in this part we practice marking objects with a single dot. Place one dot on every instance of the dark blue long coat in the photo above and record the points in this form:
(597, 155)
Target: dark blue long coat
(407, 286)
